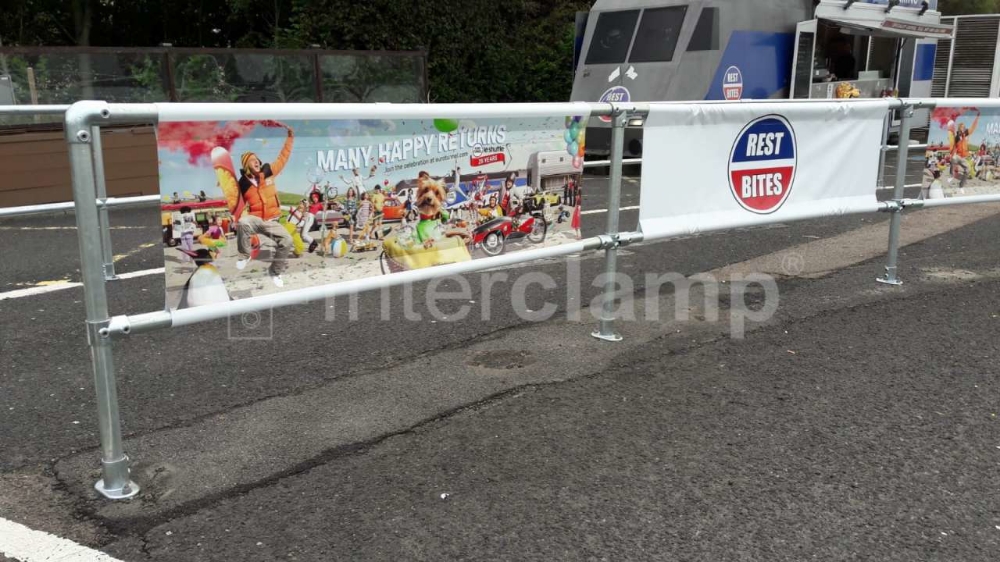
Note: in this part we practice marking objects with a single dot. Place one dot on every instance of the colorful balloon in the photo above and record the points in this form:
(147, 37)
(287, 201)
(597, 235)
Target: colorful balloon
(576, 118)
(568, 135)
(574, 130)
(446, 125)
(573, 148)
(569, 121)
(577, 161)
(580, 152)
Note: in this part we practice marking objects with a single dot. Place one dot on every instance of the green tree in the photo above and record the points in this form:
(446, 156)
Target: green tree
(479, 50)
(203, 78)
(147, 74)
(959, 7)
(360, 79)
(145, 23)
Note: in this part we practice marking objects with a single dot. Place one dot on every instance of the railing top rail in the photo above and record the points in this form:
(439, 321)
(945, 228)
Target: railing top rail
(366, 110)
(953, 102)
(222, 112)
(140, 112)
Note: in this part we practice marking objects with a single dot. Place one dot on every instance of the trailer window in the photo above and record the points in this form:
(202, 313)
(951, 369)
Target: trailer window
(658, 33)
(612, 36)
(706, 33)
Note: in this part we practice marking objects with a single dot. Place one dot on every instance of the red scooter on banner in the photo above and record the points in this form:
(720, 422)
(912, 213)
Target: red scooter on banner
(526, 223)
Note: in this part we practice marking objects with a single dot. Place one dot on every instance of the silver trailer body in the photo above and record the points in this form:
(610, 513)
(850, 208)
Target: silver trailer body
(645, 50)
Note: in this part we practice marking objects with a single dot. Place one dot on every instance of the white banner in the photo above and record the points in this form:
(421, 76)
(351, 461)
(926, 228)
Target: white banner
(727, 165)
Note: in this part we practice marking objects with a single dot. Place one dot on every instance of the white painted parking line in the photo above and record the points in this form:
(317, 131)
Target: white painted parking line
(38, 290)
(50, 287)
(26, 545)
(142, 273)
(596, 211)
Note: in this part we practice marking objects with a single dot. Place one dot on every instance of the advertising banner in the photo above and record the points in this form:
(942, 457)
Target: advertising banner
(712, 167)
(252, 207)
(963, 148)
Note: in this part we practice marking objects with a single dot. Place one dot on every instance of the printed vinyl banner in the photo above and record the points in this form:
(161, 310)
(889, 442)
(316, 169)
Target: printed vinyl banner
(727, 165)
(251, 207)
(963, 148)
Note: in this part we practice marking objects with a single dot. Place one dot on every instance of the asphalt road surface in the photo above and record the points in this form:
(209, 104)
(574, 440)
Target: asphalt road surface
(857, 422)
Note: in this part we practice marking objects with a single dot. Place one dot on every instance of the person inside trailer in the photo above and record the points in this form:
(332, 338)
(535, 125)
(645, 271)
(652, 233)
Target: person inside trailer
(842, 62)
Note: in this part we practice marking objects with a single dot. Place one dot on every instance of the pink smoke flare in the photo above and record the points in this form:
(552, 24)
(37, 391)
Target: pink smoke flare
(944, 115)
(198, 139)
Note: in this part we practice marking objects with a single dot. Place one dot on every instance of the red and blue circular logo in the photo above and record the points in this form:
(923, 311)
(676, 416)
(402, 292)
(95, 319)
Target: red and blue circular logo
(616, 94)
(732, 84)
(762, 164)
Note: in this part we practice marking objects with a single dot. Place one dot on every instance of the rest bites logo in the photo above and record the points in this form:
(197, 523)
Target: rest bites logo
(762, 164)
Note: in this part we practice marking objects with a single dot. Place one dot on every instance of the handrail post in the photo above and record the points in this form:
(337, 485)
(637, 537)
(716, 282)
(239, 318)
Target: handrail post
(890, 277)
(115, 482)
(606, 326)
(97, 153)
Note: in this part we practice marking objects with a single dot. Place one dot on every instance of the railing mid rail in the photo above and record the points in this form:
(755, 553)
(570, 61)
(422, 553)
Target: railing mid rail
(68, 206)
(100, 190)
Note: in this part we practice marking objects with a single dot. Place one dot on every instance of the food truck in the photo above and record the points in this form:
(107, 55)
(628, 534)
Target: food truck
(868, 49)
(675, 50)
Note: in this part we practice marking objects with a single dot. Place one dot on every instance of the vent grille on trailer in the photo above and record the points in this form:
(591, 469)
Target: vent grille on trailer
(941, 59)
(975, 50)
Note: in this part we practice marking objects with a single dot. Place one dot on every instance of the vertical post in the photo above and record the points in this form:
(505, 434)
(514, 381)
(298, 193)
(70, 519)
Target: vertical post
(33, 91)
(97, 153)
(890, 277)
(318, 77)
(606, 326)
(168, 64)
(115, 482)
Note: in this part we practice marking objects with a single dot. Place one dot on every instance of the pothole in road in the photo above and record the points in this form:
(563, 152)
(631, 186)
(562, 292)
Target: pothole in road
(501, 359)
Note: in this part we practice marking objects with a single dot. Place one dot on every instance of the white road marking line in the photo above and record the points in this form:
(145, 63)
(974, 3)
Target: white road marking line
(38, 290)
(26, 545)
(42, 289)
(142, 273)
(596, 211)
